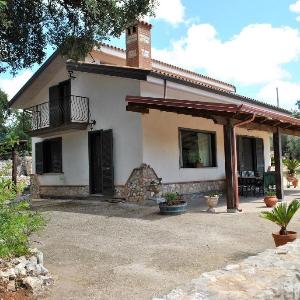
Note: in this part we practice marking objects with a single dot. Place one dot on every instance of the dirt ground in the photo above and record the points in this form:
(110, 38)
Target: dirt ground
(101, 250)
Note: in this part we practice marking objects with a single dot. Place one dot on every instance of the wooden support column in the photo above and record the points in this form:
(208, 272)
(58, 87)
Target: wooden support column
(229, 144)
(278, 163)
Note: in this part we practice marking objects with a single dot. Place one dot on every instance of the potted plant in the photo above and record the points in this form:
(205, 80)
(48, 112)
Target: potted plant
(292, 165)
(282, 215)
(174, 204)
(212, 200)
(270, 199)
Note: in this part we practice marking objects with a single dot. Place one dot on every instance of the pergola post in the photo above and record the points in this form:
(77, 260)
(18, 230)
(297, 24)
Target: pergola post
(278, 163)
(230, 153)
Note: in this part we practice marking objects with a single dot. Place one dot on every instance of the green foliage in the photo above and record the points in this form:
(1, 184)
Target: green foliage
(291, 146)
(292, 165)
(11, 127)
(282, 214)
(17, 221)
(74, 26)
(271, 194)
(172, 198)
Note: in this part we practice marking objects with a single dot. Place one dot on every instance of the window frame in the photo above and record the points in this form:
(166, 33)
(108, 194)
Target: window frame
(214, 151)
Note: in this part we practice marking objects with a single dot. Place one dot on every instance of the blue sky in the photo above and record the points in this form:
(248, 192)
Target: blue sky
(252, 44)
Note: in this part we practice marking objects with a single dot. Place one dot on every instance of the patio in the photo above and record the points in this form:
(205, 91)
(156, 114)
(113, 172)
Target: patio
(102, 250)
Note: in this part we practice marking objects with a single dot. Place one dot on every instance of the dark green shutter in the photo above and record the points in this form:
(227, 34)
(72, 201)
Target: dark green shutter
(107, 161)
(55, 106)
(56, 155)
(260, 157)
(39, 158)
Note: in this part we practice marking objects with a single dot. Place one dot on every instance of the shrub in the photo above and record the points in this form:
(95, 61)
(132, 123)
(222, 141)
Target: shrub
(173, 198)
(292, 165)
(270, 194)
(17, 221)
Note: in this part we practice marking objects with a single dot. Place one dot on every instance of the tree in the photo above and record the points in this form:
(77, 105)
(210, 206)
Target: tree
(3, 114)
(73, 26)
(291, 144)
(12, 127)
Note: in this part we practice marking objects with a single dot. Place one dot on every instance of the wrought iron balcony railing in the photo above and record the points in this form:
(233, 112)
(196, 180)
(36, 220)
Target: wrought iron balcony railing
(58, 112)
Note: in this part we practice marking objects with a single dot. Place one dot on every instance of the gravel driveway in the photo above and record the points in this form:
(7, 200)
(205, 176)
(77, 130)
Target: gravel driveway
(101, 250)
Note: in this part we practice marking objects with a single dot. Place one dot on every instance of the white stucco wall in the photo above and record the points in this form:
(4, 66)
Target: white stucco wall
(108, 108)
(43, 94)
(74, 161)
(161, 146)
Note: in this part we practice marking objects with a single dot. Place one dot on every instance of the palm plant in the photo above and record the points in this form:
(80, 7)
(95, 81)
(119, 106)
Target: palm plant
(282, 214)
(292, 165)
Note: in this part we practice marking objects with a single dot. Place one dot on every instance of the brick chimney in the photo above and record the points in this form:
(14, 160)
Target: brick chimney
(138, 45)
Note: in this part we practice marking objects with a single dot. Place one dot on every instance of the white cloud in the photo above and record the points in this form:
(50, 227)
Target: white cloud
(12, 86)
(254, 56)
(295, 7)
(289, 93)
(171, 11)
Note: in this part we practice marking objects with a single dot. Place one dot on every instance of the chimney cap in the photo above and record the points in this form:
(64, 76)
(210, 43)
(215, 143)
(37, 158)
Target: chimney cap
(142, 22)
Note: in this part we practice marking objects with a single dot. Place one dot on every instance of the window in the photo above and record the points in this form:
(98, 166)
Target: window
(48, 156)
(198, 149)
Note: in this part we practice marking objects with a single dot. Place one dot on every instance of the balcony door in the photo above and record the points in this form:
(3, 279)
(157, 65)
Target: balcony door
(101, 162)
(60, 104)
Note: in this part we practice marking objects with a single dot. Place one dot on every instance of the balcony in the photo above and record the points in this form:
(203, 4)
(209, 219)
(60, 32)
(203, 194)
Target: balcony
(58, 115)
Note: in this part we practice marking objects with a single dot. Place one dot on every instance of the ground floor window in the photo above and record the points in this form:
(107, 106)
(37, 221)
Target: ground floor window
(48, 156)
(197, 148)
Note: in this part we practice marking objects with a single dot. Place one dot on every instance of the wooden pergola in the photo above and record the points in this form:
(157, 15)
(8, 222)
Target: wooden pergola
(230, 116)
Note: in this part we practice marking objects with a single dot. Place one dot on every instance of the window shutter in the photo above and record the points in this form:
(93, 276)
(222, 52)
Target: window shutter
(260, 158)
(107, 161)
(65, 92)
(55, 106)
(39, 157)
(56, 155)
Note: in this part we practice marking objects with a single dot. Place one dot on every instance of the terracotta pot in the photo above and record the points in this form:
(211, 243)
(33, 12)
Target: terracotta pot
(283, 239)
(270, 201)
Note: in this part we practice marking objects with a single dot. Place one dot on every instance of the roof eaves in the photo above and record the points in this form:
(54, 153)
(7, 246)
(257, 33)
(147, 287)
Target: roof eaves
(33, 78)
(111, 70)
(209, 88)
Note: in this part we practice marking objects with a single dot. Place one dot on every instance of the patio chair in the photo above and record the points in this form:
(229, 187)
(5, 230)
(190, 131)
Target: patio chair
(269, 181)
(259, 188)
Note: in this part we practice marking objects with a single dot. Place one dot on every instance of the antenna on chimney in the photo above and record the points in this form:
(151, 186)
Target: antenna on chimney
(277, 93)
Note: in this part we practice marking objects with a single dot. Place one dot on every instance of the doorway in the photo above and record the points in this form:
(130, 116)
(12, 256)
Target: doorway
(250, 152)
(101, 162)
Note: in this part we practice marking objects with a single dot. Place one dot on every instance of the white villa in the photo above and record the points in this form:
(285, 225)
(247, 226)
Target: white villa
(119, 120)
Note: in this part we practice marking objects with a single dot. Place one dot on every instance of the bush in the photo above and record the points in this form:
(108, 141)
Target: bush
(17, 221)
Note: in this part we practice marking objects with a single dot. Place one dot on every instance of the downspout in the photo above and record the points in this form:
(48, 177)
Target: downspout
(235, 177)
(165, 88)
